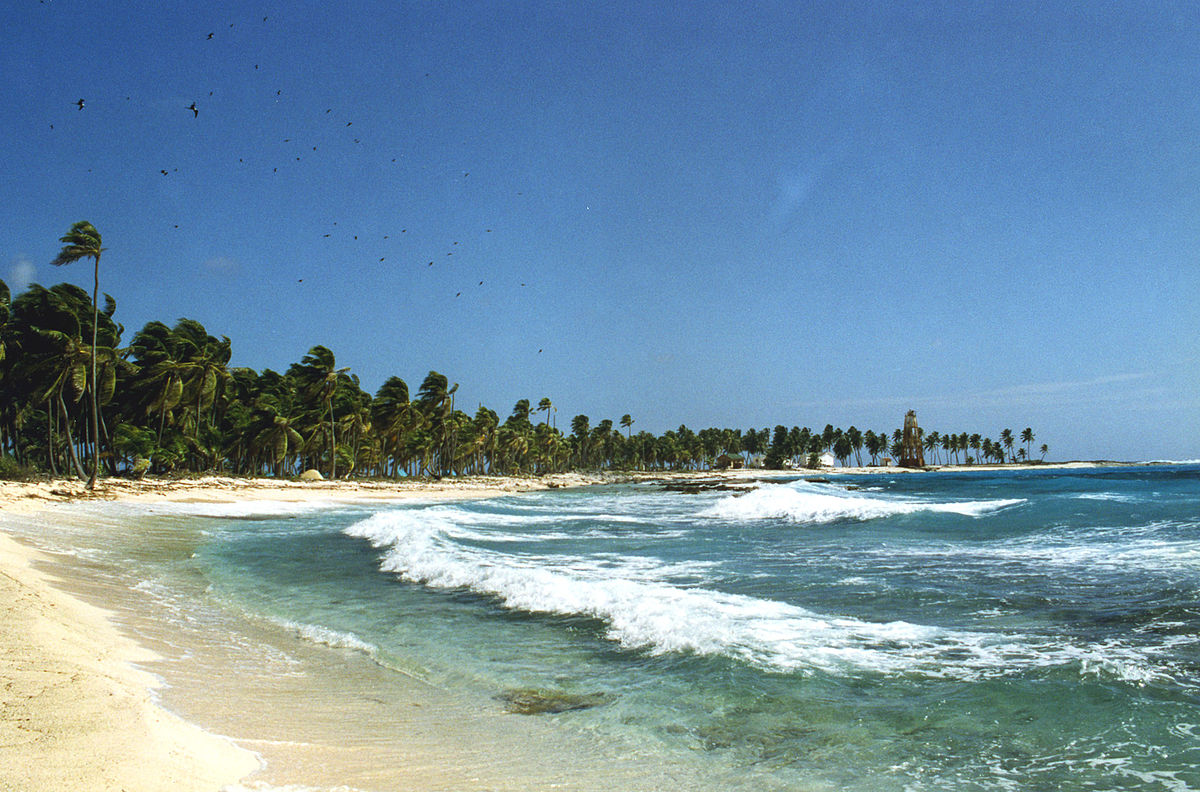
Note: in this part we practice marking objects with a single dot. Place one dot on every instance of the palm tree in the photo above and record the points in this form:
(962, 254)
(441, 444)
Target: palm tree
(278, 437)
(1006, 437)
(83, 241)
(545, 405)
(436, 402)
(627, 423)
(932, 442)
(1045, 449)
(318, 370)
(1027, 439)
(393, 417)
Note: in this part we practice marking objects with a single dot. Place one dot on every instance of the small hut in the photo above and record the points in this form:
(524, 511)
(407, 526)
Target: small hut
(729, 462)
(911, 454)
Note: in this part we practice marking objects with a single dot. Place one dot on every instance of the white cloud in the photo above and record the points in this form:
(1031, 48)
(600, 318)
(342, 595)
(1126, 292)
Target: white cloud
(21, 274)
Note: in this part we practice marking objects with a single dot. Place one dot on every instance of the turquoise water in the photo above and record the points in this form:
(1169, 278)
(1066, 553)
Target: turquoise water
(975, 631)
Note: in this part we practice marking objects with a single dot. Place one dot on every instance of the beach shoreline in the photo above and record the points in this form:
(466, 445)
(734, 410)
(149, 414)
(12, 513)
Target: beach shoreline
(79, 712)
(33, 496)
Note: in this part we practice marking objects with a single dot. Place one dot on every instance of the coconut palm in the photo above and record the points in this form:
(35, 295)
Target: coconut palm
(1006, 438)
(627, 424)
(932, 442)
(1045, 449)
(435, 399)
(278, 438)
(319, 375)
(1027, 439)
(545, 405)
(393, 416)
(83, 241)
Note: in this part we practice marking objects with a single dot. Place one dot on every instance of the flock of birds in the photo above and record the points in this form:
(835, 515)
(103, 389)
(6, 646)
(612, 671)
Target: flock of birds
(195, 108)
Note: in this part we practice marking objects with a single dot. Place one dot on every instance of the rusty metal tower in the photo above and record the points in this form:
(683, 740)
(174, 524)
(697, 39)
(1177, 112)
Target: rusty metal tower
(911, 454)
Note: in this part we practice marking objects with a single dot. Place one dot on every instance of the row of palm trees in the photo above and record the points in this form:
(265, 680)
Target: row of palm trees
(800, 446)
(74, 400)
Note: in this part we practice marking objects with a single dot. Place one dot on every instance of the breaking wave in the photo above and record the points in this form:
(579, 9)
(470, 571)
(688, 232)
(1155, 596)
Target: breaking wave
(810, 503)
(642, 609)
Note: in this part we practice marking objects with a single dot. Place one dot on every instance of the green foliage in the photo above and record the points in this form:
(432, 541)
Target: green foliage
(11, 470)
(172, 404)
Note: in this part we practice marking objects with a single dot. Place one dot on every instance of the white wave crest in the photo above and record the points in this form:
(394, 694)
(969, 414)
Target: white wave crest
(335, 639)
(810, 504)
(653, 615)
(1108, 496)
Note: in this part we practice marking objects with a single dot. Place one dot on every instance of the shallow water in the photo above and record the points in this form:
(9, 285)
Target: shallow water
(1024, 630)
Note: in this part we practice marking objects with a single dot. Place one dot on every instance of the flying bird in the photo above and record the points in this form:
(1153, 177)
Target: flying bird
(80, 104)
(163, 172)
(210, 35)
(195, 112)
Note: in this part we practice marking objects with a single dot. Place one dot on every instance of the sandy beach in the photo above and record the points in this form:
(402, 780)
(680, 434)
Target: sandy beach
(76, 711)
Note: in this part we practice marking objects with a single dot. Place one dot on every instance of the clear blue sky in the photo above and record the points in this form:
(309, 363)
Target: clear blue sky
(715, 214)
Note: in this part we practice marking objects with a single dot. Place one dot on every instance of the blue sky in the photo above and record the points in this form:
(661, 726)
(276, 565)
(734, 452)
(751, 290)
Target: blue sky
(705, 213)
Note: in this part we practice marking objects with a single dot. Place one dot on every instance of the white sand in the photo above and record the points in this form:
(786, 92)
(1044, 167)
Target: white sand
(75, 715)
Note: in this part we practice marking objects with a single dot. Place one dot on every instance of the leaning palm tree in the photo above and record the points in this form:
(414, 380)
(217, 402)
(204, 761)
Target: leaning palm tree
(318, 370)
(545, 405)
(1006, 439)
(627, 424)
(83, 241)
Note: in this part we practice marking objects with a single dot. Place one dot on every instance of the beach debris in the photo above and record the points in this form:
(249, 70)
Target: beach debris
(530, 701)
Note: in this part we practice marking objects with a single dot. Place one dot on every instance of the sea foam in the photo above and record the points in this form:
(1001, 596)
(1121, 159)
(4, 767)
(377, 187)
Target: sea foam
(809, 503)
(643, 611)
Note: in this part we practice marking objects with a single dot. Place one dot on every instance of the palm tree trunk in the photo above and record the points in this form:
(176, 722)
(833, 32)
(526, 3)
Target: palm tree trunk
(50, 439)
(332, 444)
(95, 381)
(70, 440)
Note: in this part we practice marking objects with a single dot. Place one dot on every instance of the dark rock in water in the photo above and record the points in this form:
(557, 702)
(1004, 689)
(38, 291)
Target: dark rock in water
(703, 486)
(549, 702)
(817, 480)
(853, 487)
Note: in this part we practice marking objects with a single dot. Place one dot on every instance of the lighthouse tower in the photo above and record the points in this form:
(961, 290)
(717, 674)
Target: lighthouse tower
(911, 455)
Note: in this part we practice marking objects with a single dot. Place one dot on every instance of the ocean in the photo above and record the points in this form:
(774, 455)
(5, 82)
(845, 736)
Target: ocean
(992, 630)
